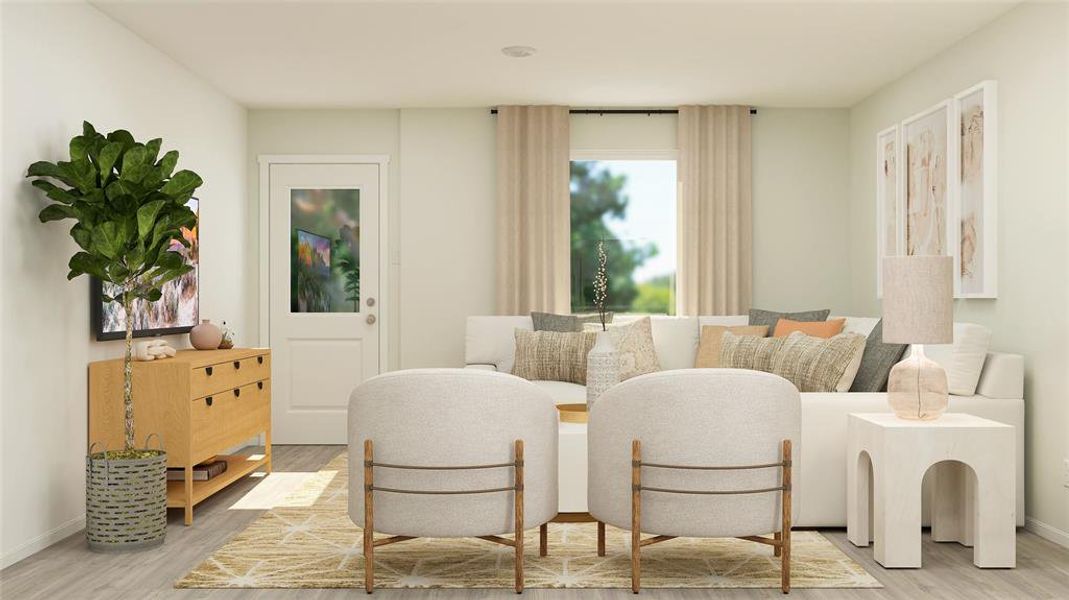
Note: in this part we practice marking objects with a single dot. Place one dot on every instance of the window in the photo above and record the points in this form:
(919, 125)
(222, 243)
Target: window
(629, 207)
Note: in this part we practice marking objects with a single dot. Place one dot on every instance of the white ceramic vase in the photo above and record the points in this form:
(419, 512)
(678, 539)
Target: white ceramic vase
(602, 368)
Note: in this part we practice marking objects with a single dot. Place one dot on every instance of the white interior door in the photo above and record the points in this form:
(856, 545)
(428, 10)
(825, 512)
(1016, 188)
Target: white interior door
(323, 291)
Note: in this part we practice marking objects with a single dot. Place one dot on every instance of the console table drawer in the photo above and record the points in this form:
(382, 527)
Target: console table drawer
(220, 377)
(229, 418)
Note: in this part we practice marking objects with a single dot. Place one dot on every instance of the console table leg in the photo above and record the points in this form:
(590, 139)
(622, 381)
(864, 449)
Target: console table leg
(188, 488)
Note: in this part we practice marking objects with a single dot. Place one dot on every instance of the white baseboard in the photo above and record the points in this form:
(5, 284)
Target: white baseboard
(1047, 532)
(42, 541)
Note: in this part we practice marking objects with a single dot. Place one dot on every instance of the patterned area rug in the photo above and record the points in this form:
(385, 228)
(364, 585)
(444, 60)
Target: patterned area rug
(309, 542)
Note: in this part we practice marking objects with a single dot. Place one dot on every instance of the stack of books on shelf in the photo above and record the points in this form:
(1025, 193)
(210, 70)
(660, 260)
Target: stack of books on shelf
(202, 472)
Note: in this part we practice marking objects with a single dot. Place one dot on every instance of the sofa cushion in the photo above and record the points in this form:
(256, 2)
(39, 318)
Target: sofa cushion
(544, 321)
(634, 342)
(770, 317)
(553, 355)
(491, 340)
(876, 362)
(676, 341)
(563, 392)
(748, 351)
(819, 365)
(820, 329)
(711, 336)
(963, 359)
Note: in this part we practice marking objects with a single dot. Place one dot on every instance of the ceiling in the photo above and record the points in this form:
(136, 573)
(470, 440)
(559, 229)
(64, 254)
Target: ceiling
(592, 53)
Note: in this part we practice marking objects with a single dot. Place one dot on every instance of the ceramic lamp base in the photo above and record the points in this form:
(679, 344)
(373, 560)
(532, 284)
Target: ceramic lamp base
(917, 388)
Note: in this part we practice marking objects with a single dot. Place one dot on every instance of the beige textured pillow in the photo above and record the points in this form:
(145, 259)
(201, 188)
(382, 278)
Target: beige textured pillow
(552, 355)
(634, 342)
(819, 365)
(748, 351)
(709, 345)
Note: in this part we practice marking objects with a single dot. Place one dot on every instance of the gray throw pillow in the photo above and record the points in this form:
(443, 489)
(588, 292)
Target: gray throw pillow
(769, 318)
(544, 321)
(876, 363)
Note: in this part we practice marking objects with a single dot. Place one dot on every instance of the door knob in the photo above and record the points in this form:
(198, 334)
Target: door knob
(371, 302)
(371, 319)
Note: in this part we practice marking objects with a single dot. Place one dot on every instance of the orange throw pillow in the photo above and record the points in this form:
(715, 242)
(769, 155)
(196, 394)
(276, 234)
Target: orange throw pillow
(709, 344)
(820, 329)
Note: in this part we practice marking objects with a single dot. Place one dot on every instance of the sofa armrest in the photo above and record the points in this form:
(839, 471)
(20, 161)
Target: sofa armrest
(481, 367)
(1002, 377)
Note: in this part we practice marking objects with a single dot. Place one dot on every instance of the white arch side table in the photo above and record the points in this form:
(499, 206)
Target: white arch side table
(972, 497)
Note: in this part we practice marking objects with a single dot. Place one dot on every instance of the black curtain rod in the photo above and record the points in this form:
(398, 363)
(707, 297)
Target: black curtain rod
(623, 111)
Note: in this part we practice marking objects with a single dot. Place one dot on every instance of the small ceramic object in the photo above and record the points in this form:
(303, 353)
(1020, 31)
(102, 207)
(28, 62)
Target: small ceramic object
(206, 336)
(152, 350)
(603, 368)
(228, 338)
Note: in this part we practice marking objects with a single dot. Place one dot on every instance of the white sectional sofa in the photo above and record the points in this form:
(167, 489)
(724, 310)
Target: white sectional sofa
(982, 383)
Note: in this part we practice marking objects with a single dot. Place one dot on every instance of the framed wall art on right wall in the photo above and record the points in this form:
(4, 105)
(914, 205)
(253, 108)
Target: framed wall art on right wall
(977, 189)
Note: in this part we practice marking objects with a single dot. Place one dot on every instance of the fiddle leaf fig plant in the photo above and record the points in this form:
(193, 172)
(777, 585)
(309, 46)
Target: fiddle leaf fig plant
(128, 205)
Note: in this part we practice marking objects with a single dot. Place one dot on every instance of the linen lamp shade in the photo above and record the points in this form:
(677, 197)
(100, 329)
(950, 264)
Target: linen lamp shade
(918, 299)
(918, 309)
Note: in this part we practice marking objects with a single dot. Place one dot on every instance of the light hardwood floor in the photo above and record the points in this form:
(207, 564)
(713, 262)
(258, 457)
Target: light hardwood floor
(69, 571)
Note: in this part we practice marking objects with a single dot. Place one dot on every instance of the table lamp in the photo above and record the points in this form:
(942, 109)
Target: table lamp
(918, 309)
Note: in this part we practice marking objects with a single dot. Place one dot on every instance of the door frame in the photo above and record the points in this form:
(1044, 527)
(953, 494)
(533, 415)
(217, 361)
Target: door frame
(263, 247)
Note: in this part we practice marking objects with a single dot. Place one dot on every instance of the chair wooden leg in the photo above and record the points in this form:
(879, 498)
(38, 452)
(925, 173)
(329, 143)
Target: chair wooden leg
(543, 539)
(369, 518)
(776, 549)
(785, 537)
(636, 515)
(601, 538)
(519, 517)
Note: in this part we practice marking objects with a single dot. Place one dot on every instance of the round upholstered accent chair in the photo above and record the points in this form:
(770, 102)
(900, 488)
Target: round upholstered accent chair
(451, 453)
(703, 453)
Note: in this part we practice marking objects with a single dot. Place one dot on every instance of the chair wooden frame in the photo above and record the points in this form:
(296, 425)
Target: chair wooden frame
(370, 543)
(780, 541)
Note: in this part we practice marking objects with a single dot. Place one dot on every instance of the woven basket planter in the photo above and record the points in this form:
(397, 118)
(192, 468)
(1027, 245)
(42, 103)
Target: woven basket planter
(125, 501)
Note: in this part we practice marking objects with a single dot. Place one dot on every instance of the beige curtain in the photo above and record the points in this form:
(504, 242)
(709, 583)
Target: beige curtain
(533, 217)
(715, 219)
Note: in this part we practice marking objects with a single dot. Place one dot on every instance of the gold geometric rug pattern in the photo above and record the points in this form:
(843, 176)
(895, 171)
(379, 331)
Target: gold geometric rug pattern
(309, 542)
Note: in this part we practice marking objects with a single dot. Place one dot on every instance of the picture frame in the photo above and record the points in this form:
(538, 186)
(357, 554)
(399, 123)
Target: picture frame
(107, 318)
(929, 157)
(888, 199)
(976, 250)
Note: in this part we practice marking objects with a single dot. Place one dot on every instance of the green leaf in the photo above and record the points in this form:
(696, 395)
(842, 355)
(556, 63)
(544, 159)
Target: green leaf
(53, 192)
(82, 236)
(154, 295)
(107, 158)
(106, 240)
(88, 130)
(47, 169)
(181, 185)
(79, 148)
(167, 164)
(119, 188)
(153, 149)
(84, 263)
(123, 137)
(134, 164)
(169, 260)
(146, 218)
(56, 212)
(81, 173)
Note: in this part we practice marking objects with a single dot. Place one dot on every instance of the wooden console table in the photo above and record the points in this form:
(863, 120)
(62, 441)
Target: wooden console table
(201, 403)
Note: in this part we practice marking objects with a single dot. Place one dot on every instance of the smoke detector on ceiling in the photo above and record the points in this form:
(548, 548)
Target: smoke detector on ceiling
(518, 51)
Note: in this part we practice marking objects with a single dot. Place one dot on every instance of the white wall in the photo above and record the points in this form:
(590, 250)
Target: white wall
(88, 67)
(447, 231)
(1026, 51)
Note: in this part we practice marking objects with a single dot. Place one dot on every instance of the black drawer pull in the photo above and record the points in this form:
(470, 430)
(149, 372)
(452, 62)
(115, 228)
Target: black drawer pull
(208, 371)
(259, 385)
(237, 392)
(259, 360)
(237, 364)
(208, 400)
